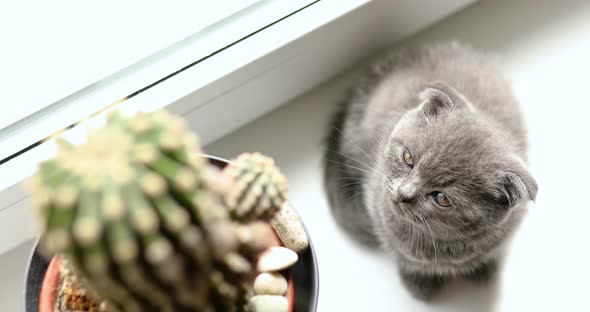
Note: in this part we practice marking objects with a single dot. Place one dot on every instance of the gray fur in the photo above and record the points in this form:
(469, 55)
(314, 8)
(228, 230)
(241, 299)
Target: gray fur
(457, 116)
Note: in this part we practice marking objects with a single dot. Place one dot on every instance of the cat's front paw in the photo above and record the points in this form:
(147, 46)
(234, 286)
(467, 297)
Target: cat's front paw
(423, 287)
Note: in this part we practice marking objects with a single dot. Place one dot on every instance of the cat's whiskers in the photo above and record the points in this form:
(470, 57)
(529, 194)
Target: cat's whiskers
(350, 166)
(354, 182)
(366, 179)
(412, 239)
(357, 146)
(374, 163)
(350, 189)
(350, 158)
(355, 195)
(353, 186)
(431, 237)
(354, 179)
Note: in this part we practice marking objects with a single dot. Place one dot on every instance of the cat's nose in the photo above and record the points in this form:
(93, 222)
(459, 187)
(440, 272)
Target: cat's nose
(405, 198)
(406, 193)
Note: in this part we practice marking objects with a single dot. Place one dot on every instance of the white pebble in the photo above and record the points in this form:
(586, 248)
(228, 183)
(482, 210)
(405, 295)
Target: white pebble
(270, 284)
(276, 259)
(268, 303)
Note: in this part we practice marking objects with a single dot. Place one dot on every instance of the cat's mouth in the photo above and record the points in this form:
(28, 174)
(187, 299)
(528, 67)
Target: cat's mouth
(404, 211)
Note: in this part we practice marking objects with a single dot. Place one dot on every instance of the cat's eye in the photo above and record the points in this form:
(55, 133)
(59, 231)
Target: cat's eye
(408, 159)
(441, 199)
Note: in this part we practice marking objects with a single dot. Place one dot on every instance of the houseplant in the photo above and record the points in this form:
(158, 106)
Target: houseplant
(147, 223)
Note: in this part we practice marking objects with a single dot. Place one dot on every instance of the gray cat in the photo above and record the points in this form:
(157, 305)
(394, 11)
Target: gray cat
(428, 161)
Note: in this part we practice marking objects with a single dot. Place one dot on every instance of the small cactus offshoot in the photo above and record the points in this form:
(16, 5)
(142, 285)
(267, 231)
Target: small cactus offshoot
(260, 188)
(136, 209)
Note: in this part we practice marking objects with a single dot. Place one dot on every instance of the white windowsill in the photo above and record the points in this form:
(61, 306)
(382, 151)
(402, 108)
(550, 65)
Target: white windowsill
(238, 84)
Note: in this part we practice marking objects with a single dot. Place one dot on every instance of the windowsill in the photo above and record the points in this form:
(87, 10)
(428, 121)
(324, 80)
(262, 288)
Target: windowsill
(234, 86)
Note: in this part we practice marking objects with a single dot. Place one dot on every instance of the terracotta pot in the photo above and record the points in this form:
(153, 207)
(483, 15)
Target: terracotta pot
(49, 287)
(43, 276)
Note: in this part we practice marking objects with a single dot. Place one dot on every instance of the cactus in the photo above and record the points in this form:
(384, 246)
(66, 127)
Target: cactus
(260, 187)
(139, 213)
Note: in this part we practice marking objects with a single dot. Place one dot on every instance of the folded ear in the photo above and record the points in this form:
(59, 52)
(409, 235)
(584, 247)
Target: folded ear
(516, 185)
(438, 97)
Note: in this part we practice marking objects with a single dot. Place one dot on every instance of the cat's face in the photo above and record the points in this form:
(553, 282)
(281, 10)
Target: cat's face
(446, 167)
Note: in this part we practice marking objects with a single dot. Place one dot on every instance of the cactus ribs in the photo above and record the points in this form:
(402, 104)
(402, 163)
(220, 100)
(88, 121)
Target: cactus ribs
(148, 223)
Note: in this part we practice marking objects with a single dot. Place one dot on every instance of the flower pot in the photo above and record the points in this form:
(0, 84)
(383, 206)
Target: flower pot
(42, 277)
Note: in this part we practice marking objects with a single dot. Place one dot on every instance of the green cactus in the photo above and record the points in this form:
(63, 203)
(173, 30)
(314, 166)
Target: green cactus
(138, 212)
(260, 187)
